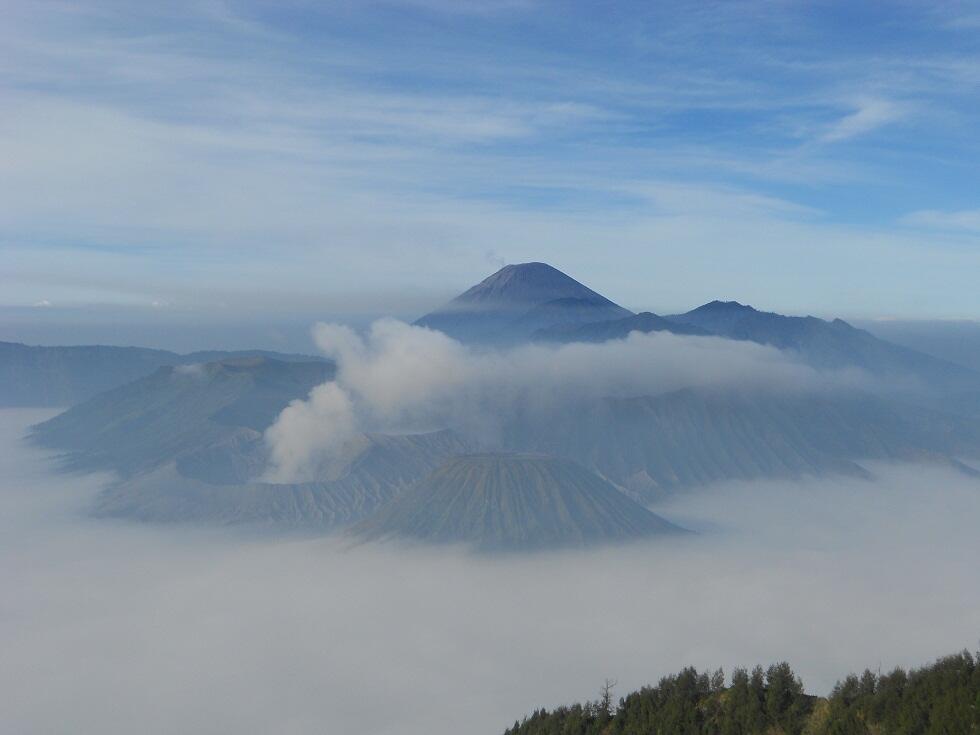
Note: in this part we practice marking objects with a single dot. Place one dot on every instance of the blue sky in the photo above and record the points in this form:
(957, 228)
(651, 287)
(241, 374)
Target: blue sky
(243, 162)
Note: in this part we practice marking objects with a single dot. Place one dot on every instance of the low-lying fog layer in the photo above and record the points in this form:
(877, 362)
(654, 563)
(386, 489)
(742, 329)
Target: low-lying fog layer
(121, 628)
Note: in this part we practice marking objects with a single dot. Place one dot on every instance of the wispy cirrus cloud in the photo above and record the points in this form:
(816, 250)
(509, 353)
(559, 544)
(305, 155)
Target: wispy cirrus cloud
(964, 220)
(869, 115)
(340, 137)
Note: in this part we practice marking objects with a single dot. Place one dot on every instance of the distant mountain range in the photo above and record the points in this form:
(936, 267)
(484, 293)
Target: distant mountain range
(536, 301)
(37, 376)
(186, 440)
(826, 344)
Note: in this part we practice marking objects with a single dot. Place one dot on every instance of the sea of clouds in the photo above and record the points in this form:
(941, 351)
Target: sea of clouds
(116, 627)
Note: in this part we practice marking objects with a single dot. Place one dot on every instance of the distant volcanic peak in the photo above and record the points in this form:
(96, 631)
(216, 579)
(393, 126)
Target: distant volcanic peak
(528, 284)
(518, 300)
(723, 306)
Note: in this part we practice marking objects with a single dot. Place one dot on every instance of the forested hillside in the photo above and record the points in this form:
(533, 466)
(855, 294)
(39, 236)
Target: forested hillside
(940, 699)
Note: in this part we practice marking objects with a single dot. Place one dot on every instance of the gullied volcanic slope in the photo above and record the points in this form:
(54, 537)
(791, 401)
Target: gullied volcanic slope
(655, 445)
(385, 466)
(187, 445)
(513, 501)
(220, 408)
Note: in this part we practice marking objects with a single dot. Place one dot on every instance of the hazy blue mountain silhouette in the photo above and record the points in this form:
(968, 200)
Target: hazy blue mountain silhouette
(604, 331)
(178, 412)
(187, 443)
(32, 375)
(537, 301)
(518, 300)
(827, 344)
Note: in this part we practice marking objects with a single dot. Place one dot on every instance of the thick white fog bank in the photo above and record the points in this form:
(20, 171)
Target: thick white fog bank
(118, 628)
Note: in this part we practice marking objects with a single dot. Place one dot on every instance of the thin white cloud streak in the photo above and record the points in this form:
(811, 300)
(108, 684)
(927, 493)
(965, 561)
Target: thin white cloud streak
(400, 378)
(677, 199)
(870, 115)
(465, 7)
(964, 220)
(116, 628)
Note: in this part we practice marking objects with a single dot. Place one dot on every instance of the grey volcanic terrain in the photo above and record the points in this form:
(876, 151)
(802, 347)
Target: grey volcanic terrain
(187, 445)
(385, 466)
(652, 446)
(513, 501)
(189, 442)
(183, 413)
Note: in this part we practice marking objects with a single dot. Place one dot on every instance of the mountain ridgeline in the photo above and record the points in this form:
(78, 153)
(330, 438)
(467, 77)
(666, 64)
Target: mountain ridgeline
(826, 344)
(942, 699)
(604, 331)
(38, 376)
(179, 412)
(187, 441)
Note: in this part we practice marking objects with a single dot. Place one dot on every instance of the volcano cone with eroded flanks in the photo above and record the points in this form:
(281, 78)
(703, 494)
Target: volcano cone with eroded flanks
(514, 501)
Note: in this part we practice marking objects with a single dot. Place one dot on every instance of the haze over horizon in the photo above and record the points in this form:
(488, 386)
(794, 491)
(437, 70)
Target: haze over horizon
(250, 167)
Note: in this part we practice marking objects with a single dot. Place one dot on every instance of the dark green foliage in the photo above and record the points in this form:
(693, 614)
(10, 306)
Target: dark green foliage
(941, 699)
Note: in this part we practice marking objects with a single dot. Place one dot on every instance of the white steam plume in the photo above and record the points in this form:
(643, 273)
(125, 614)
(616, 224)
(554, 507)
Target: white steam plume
(402, 378)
